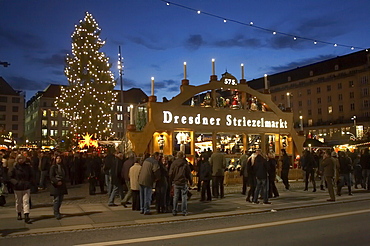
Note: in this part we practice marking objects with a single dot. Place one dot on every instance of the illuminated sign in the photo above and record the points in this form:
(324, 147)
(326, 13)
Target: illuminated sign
(229, 120)
(228, 79)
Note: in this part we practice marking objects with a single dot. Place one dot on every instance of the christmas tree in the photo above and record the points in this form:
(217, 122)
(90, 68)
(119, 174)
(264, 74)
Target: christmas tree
(89, 100)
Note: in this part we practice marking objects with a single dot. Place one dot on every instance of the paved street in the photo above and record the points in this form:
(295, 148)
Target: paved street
(81, 211)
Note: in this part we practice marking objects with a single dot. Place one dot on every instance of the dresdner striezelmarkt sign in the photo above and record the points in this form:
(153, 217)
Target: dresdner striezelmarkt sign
(229, 120)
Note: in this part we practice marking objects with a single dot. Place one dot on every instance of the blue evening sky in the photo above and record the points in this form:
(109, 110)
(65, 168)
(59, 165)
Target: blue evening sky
(156, 39)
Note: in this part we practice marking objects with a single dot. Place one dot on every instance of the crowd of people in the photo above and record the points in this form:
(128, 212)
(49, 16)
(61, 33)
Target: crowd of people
(133, 177)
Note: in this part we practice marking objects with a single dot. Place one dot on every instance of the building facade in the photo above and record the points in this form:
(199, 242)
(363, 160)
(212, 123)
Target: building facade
(330, 100)
(11, 115)
(46, 127)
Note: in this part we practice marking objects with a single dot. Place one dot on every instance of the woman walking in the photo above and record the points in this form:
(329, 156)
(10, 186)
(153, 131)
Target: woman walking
(58, 187)
(21, 178)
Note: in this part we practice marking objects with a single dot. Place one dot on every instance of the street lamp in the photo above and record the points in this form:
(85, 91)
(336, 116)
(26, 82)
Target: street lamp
(354, 124)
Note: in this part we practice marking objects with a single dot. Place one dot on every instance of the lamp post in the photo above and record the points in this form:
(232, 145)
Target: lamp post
(301, 122)
(120, 69)
(354, 124)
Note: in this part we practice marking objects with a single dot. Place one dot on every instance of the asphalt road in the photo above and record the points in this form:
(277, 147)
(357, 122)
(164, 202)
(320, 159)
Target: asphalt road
(331, 224)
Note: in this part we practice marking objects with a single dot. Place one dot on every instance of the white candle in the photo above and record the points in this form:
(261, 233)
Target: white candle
(301, 122)
(184, 70)
(213, 67)
(266, 86)
(288, 99)
(152, 86)
(131, 114)
(242, 66)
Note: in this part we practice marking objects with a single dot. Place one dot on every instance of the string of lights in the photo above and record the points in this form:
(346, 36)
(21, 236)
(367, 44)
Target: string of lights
(251, 24)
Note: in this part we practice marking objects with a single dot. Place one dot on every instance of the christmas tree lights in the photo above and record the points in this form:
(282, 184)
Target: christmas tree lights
(89, 100)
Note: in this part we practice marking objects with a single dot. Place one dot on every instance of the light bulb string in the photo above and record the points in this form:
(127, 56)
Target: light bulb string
(251, 24)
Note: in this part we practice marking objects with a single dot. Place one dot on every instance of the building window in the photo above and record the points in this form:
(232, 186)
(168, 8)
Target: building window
(329, 99)
(44, 113)
(120, 125)
(311, 73)
(365, 103)
(336, 67)
(309, 112)
(352, 106)
(16, 100)
(289, 78)
(318, 89)
(119, 117)
(300, 103)
(119, 108)
(339, 86)
(44, 132)
(3, 99)
(309, 102)
(53, 132)
(2, 116)
(44, 123)
(14, 117)
(308, 91)
(15, 109)
(319, 100)
(309, 122)
(54, 123)
(319, 110)
(54, 113)
(351, 84)
(328, 88)
(365, 92)
(330, 109)
(364, 80)
(352, 95)
(14, 127)
(2, 108)
(340, 108)
(64, 132)
(340, 97)
(65, 123)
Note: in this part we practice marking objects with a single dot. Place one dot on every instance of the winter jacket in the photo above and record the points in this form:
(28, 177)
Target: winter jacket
(180, 173)
(149, 172)
(205, 172)
(260, 167)
(218, 164)
(58, 173)
(328, 167)
(22, 176)
(134, 176)
(126, 167)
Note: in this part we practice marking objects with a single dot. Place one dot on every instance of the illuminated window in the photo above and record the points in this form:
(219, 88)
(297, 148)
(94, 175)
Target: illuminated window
(309, 122)
(44, 123)
(119, 108)
(44, 132)
(54, 123)
(330, 109)
(119, 117)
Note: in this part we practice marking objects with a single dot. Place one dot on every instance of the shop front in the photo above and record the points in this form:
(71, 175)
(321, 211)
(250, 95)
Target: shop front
(230, 117)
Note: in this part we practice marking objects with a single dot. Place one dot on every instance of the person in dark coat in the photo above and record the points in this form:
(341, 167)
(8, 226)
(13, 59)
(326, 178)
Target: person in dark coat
(273, 192)
(244, 172)
(161, 188)
(285, 167)
(309, 166)
(117, 180)
(22, 178)
(260, 169)
(251, 177)
(365, 164)
(45, 163)
(205, 176)
(94, 168)
(345, 169)
(58, 186)
(74, 169)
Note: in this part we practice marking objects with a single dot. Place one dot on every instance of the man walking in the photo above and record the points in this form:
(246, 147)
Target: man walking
(149, 173)
(328, 170)
(180, 175)
(218, 164)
